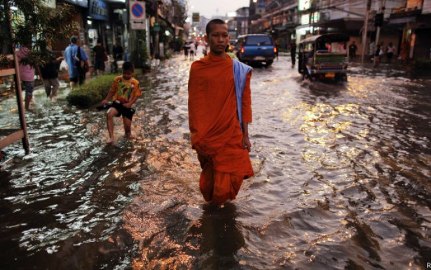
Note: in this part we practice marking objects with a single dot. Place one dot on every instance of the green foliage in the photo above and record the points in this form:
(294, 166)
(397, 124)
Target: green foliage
(92, 92)
(139, 55)
(179, 11)
(34, 23)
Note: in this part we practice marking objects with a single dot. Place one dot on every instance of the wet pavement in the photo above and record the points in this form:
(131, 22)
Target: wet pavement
(342, 180)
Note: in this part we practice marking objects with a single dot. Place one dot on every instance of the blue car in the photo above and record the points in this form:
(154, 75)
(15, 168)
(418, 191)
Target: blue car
(254, 48)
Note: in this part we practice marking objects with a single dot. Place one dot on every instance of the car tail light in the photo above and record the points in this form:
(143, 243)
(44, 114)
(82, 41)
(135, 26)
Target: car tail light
(242, 50)
(275, 50)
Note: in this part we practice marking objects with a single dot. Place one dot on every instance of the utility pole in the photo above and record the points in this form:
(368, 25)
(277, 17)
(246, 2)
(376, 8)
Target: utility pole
(378, 23)
(156, 29)
(365, 30)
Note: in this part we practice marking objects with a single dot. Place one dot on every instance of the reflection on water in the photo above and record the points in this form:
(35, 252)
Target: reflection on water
(342, 181)
(221, 238)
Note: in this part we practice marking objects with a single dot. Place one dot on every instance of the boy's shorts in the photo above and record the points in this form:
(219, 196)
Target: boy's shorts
(123, 111)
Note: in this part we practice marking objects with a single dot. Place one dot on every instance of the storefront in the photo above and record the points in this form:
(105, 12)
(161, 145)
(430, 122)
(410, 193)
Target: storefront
(81, 7)
(98, 27)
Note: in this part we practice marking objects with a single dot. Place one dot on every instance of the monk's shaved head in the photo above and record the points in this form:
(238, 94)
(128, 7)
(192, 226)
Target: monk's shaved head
(209, 26)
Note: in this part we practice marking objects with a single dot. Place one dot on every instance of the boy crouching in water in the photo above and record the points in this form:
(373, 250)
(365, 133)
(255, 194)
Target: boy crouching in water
(124, 93)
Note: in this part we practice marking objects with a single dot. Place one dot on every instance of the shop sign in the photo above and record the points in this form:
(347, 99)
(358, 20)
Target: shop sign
(98, 10)
(81, 3)
(304, 4)
(195, 17)
(49, 3)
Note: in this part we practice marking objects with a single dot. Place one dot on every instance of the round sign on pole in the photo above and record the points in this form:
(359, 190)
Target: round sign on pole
(137, 11)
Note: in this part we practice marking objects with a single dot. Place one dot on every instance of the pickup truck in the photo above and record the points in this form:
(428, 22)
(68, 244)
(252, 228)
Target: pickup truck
(256, 48)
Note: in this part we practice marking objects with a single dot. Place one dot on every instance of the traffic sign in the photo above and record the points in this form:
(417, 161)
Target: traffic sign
(138, 25)
(195, 17)
(137, 11)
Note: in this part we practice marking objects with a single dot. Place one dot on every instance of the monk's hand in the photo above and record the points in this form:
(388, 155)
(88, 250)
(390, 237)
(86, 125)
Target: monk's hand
(246, 142)
(204, 159)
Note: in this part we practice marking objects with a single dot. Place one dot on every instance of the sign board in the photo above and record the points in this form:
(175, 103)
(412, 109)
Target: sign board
(137, 11)
(81, 3)
(49, 3)
(138, 25)
(98, 10)
(195, 17)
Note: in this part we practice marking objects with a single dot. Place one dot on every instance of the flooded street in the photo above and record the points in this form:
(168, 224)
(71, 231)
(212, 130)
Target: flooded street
(342, 180)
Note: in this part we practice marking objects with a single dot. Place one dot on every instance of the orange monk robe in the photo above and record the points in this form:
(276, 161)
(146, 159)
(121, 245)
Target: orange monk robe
(215, 130)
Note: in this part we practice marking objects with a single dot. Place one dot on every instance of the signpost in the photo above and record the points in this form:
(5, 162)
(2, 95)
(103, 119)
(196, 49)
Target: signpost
(195, 17)
(137, 15)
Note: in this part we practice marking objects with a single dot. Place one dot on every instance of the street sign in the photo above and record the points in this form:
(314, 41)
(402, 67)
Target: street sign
(138, 25)
(137, 11)
(195, 17)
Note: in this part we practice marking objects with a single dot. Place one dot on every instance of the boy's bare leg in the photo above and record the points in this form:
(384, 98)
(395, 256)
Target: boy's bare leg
(110, 123)
(127, 127)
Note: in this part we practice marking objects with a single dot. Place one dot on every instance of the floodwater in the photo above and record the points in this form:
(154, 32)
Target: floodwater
(342, 181)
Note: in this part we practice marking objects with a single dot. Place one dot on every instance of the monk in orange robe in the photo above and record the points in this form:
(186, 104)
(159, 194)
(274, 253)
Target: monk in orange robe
(219, 120)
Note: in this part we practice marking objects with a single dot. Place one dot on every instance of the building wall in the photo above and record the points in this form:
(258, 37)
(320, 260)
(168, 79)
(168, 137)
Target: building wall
(426, 8)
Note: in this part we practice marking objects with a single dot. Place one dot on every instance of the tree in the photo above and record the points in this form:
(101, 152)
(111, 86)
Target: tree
(32, 22)
(179, 13)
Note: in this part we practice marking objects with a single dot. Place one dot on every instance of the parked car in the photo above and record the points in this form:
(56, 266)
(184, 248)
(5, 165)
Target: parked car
(323, 57)
(256, 48)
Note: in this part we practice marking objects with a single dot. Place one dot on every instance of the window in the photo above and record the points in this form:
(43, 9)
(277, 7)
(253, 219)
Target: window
(259, 40)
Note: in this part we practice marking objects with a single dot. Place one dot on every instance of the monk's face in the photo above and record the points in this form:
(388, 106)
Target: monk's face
(218, 38)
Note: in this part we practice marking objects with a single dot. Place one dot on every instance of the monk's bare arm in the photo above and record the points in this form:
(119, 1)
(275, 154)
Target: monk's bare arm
(245, 139)
(246, 113)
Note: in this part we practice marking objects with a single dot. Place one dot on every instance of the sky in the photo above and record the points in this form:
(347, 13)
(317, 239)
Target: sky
(209, 8)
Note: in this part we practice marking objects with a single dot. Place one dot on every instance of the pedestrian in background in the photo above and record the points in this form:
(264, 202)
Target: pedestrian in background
(49, 74)
(219, 116)
(117, 52)
(123, 94)
(100, 57)
(404, 53)
(277, 48)
(390, 51)
(26, 72)
(372, 50)
(192, 50)
(377, 55)
(293, 53)
(77, 62)
(352, 50)
(186, 50)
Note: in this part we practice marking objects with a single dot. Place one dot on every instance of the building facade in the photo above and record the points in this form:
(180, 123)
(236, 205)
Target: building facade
(405, 23)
